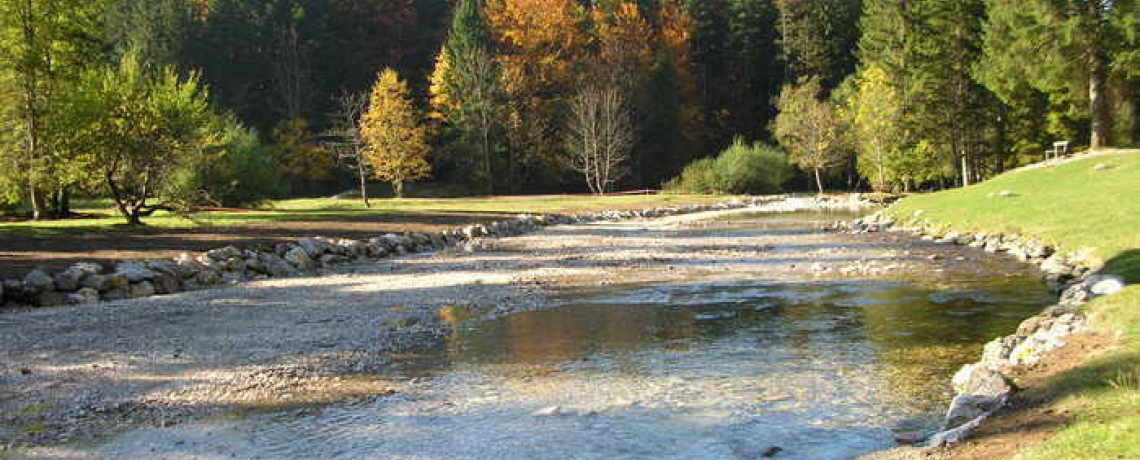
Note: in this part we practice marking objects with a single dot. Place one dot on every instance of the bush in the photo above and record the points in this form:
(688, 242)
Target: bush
(740, 169)
(239, 173)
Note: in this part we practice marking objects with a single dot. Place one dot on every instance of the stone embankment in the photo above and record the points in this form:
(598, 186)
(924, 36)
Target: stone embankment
(91, 282)
(982, 388)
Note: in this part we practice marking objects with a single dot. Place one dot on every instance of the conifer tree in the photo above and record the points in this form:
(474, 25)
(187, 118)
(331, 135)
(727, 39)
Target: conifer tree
(1069, 50)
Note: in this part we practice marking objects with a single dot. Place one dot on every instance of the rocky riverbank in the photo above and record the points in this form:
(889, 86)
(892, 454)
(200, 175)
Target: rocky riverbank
(984, 387)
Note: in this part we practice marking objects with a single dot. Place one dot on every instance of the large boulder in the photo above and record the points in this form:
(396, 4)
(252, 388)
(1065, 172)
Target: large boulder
(94, 281)
(142, 289)
(166, 283)
(1105, 284)
(168, 267)
(978, 380)
(38, 280)
(68, 280)
(135, 271)
(314, 247)
(299, 258)
(276, 266)
(188, 265)
(84, 296)
(223, 254)
(965, 408)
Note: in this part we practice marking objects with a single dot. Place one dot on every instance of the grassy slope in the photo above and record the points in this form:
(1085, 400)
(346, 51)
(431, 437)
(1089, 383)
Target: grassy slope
(335, 210)
(1076, 208)
(1072, 206)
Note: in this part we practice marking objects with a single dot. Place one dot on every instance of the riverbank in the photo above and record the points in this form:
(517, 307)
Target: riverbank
(1079, 401)
(83, 372)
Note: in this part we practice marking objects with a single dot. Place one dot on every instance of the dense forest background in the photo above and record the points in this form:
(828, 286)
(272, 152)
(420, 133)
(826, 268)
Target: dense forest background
(860, 94)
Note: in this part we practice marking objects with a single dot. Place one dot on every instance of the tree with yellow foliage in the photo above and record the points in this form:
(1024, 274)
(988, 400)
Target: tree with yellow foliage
(394, 138)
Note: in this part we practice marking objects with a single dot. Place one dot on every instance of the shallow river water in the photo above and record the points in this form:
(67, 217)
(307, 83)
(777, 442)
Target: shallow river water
(702, 369)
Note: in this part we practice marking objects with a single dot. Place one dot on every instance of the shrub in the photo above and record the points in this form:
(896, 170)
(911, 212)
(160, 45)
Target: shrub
(742, 168)
(241, 172)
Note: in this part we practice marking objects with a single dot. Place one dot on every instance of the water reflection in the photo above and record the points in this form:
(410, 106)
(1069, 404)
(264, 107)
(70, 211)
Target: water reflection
(910, 338)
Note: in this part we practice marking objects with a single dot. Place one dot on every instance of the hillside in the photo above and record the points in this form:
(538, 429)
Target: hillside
(1090, 204)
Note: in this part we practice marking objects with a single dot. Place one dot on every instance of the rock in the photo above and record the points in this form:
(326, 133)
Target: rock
(978, 380)
(333, 259)
(223, 254)
(771, 451)
(142, 289)
(299, 258)
(189, 267)
(167, 284)
(551, 411)
(1056, 265)
(94, 281)
(234, 265)
(116, 293)
(355, 249)
(958, 434)
(168, 267)
(86, 295)
(135, 271)
(38, 280)
(276, 266)
(1105, 284)
(965, 408)
(207, 277)
(116, 280)
(1006, 193)
(995, 354)
(51, 298)
(1101, 166)
(68, 280)
(87, 268)
(313, 247)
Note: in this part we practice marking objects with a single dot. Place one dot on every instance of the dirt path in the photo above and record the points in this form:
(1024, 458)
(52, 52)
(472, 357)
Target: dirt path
(82, 373)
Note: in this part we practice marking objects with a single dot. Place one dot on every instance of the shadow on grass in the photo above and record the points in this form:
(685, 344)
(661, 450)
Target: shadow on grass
(1126, 264)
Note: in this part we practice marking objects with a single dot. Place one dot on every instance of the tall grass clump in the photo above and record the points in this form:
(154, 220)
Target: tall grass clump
(742, 168)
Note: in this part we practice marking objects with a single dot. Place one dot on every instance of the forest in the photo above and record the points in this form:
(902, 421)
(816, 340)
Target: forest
(176, 104)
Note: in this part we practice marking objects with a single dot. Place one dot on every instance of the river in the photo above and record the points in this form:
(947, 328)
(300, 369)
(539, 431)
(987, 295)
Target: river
(787, 364)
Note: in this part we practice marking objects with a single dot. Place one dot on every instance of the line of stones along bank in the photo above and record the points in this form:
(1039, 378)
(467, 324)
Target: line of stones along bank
(982, 388)
(90, 282)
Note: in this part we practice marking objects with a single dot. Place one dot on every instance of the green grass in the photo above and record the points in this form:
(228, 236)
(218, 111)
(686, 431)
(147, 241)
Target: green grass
(1076, 208)
(1071, 206)
(1103, 394)
(328, 209)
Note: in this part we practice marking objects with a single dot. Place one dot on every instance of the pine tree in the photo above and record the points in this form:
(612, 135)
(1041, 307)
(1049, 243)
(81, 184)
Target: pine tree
(1067, 49)
(395, 141)
(465, 82)
(818, 38)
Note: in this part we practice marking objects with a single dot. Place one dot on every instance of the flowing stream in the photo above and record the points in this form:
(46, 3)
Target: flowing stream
(820, 368)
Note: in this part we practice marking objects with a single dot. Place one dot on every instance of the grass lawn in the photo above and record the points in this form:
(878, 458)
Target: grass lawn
(1072, 206)
(1103, 394)
(1076, 207)
(329, 209)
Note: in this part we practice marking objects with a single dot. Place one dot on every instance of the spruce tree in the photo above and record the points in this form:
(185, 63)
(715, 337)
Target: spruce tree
(1069, 50)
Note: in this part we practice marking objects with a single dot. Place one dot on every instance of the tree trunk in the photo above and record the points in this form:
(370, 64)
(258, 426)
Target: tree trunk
(818, 181)
(363, 180)
(1098, 111)
(487, 160)
(398, 188)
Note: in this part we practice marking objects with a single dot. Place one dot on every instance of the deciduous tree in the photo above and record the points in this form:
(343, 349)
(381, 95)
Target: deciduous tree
(809, 129)
(393, 134)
